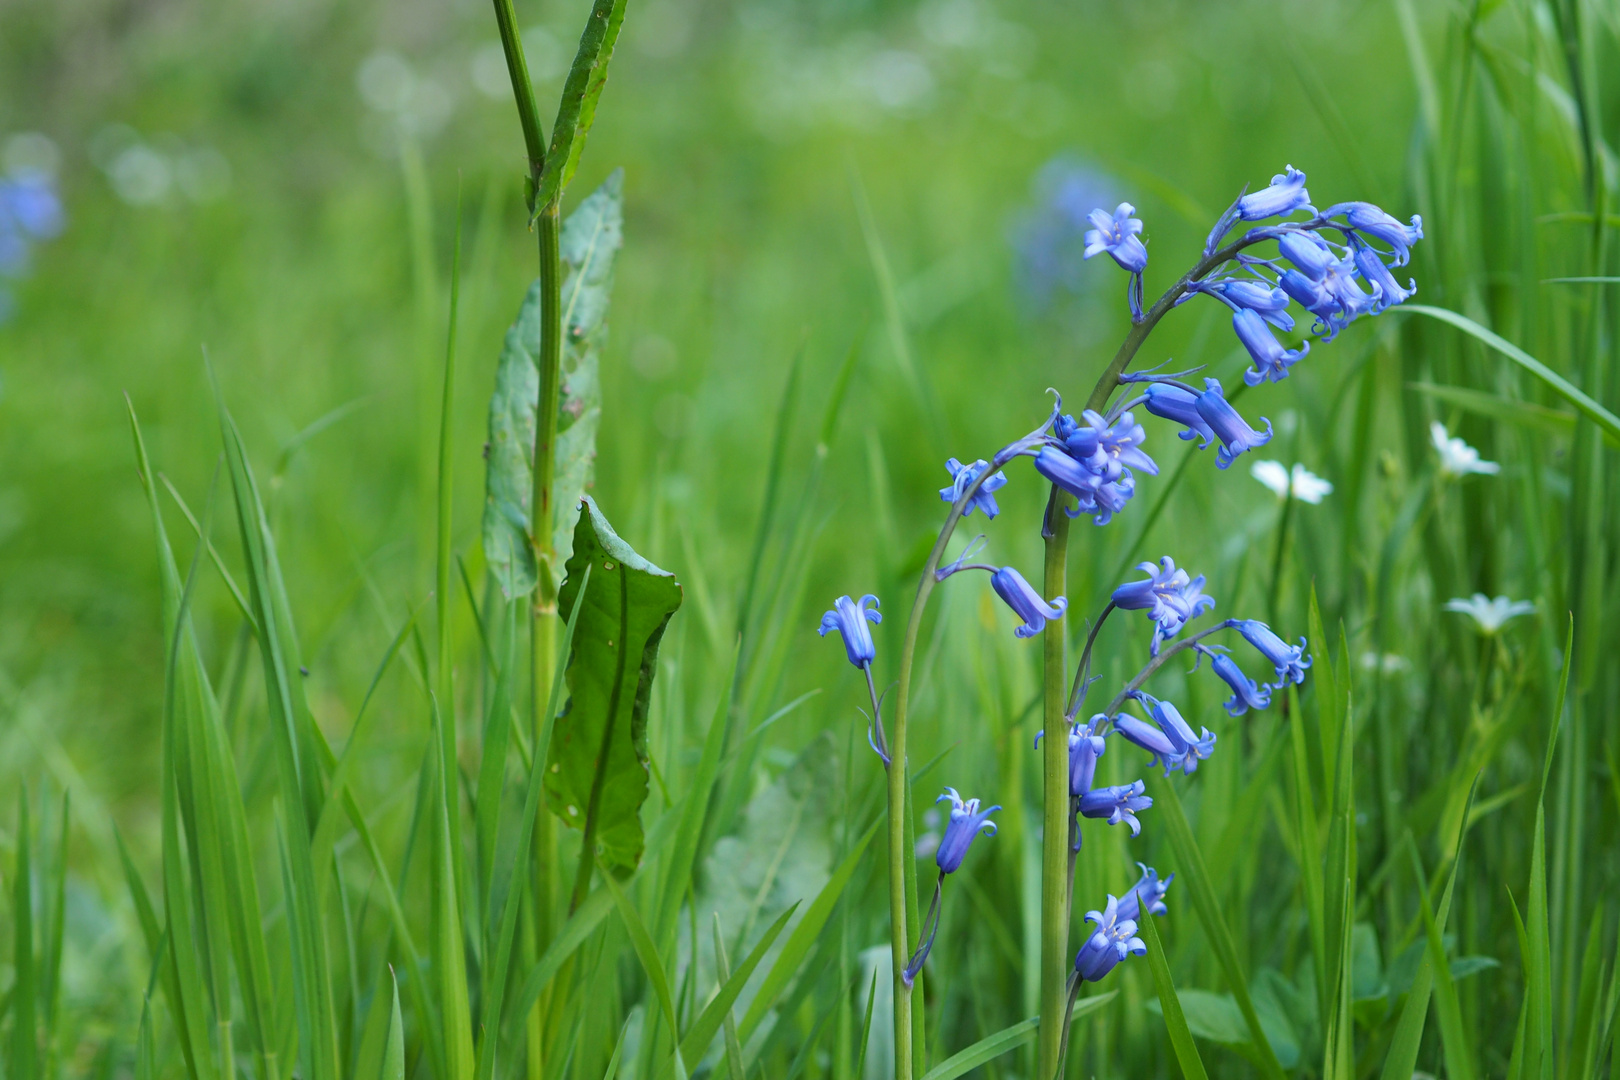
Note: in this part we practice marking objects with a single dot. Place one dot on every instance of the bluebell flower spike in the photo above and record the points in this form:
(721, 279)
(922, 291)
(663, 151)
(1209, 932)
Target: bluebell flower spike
(1169, 595)
(1234, 432)
(1246, 693)
(1113, 939)
(1146, 895)
(1289, 661)
(1179, 405)
(962, 478)
(1118, 234)
(1284, 195)
(1117, 804)
(965, 824)
(1372, 220)
(849, 618)
(1271, 360)
(1169, 738)
(1025, 602)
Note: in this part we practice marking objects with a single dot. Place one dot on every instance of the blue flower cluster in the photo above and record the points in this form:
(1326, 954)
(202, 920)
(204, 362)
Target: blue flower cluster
(1113, 936)
(30, 213)
(1323, 276)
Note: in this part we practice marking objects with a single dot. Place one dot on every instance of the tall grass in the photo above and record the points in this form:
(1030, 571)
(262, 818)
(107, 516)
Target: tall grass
(1411, 867)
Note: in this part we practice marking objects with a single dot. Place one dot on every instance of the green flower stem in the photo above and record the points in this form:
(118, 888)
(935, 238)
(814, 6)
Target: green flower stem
(1056, 873)
(1055, 885)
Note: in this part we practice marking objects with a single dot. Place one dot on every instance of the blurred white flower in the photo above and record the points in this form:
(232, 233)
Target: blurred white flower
(1490, 615)
(203, 174)
(1387, 663)
(1301, 483)
(1457, 458)
(420, 106)
(141, 176)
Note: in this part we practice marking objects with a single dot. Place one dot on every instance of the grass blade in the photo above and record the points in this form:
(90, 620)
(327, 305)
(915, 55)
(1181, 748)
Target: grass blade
(1007, 1039)
(647, 953)
(1208, 908)
(1181, 1039)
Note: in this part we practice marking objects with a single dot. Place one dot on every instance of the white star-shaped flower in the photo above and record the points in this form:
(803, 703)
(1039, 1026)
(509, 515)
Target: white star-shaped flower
(1301, 483)
(1490, 615)
(1457, 458)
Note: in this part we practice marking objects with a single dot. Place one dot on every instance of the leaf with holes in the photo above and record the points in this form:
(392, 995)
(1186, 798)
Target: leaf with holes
(597, 779)
(590, 238)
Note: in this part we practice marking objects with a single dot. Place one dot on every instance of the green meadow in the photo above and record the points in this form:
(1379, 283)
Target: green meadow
(301, 774)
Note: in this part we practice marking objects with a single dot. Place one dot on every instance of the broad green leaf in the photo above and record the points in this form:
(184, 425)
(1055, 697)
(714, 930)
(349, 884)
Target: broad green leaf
(1009, 1038)
(597, 779)
(589, 239)
(1218, 1018)
(1603, 418)
(1181, 1040)
(581, 92)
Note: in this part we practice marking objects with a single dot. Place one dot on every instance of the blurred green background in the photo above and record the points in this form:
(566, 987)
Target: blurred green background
(278, 186)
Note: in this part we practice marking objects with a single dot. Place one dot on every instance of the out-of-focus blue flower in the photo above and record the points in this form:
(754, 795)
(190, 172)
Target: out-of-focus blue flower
(1285, 195)
(962, 477)
(28, 202)
(1119, 445)
(1175, 404)
(1048, 237)
(966, 822)
(1146, 895)
(1289, 660)
(1246, 693)
(1113, 939)
(1271, 360)
(1168, 595)
(1118, 235)
(1232, 430)
(1117, 804)
(849, 618)
(1370, 219)
(1026, 603)
(1172, 742)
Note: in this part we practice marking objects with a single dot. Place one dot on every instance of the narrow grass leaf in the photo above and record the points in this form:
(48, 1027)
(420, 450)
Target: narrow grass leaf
(647, 953)
(1207, 906)
(1007, 1039)
(1181, 1039)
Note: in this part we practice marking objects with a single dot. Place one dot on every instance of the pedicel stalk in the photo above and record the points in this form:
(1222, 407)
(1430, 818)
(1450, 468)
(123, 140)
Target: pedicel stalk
(1335, 264)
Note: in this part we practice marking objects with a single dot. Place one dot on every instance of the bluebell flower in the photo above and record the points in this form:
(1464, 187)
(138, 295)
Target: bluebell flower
(1119, 445)
(1333, 295)
(1285, 195)
(1271, 360)
(849, 618)
(1113, 939)
(1262, 297)
(1232, 430)
(1377, 274)
(1168, 595)
(1172, 742)
(1085, 747)
(1025, 601)
(1147, 894)
(1175, 404)
(1370, 219)
(1246, 693)
(1308, 251)
(966, 822)
(1289, 660)
(1117, 804)
(1117, 234)
(962, 477)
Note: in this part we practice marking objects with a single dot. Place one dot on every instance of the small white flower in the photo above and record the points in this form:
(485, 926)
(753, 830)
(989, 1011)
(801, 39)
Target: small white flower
(1387, 663)
(1302, 484)
(1490, 615)
(1457, 458)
